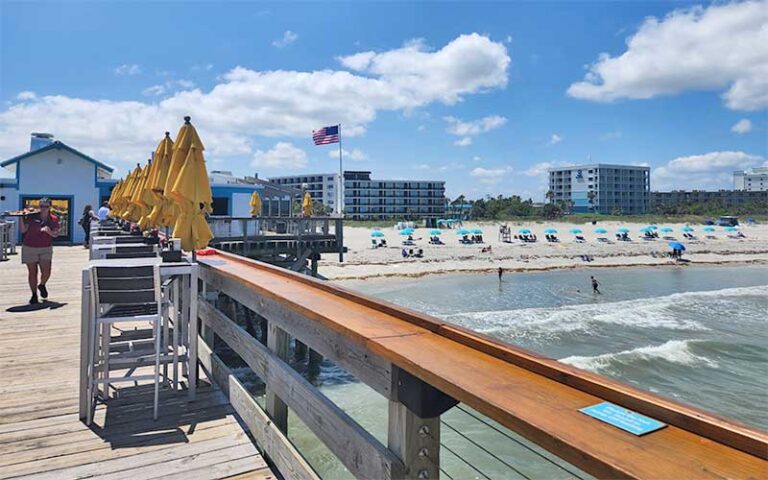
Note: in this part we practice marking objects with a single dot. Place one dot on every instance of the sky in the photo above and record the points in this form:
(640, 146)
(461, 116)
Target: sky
(486, 96)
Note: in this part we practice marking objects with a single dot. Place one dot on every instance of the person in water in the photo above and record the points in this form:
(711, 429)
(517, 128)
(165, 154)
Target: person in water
(595, 284)
(501, 272)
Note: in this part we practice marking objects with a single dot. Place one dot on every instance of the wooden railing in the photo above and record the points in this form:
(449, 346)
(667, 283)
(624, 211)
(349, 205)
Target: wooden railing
(235, 227)
(423, 367)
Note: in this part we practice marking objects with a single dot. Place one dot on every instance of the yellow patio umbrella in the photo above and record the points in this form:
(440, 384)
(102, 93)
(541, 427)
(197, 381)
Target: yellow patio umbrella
(255, 204)
(306, 205)
(162, 206)
(191, 191)
(139, 197)
(114, 193)
(125, 194)
(132, 210)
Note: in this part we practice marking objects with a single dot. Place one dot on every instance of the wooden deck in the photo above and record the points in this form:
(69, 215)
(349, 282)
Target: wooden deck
(40, 433)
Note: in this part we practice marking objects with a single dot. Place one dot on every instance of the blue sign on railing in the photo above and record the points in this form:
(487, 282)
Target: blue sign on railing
(622, 418)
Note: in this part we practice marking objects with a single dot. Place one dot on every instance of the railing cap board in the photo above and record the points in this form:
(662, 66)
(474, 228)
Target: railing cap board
(509, 363)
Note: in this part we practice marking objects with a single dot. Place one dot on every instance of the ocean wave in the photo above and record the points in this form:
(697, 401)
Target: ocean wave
(675, 312)
(674, 351)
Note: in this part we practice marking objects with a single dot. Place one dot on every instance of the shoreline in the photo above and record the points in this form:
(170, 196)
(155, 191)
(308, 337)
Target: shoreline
(545, 268)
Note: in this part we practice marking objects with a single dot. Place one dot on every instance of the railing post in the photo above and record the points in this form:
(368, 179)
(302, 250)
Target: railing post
(414, 424)
(278, 341)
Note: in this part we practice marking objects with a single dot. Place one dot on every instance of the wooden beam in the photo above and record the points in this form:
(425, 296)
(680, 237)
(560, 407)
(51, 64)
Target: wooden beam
(279, 342)
(269, 438)
(415, 441)
(354, 357)
(358, 450)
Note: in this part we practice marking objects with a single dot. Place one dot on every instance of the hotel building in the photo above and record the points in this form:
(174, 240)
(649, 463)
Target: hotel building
(623, 188)
(372, 199)
(752, 180)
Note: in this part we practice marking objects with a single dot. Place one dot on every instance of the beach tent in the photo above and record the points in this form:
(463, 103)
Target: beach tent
(191, 190)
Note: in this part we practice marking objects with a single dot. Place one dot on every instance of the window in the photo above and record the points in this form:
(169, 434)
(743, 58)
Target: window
(220, 206)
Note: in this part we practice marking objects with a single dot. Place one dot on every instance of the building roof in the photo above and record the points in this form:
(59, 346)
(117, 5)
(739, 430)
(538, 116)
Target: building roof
(57, 145)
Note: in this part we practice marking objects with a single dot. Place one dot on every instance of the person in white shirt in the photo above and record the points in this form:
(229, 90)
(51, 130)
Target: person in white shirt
(104, 211)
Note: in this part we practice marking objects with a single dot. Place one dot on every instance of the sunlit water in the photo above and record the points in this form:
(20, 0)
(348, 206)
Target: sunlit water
(698, 335)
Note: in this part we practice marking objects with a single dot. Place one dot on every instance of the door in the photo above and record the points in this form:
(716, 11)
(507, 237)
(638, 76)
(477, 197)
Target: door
(62, 208)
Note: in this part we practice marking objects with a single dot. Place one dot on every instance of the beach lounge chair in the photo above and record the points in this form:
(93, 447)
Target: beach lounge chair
(373, 243)
(580, 239)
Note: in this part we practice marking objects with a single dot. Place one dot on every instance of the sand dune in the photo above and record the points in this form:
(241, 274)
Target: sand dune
(362, 261)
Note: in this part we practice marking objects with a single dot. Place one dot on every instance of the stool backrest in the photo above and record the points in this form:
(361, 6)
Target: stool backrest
(126, 285)
(129, 239)
(111, 256)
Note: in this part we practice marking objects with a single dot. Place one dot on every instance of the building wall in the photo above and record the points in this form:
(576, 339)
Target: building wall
(725, 197)
(56, 173)
(753, 180)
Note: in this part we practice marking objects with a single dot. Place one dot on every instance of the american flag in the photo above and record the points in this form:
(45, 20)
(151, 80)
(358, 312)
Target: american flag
(326, 135)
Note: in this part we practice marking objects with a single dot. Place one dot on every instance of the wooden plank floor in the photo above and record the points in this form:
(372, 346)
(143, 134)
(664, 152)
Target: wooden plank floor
(40, 434)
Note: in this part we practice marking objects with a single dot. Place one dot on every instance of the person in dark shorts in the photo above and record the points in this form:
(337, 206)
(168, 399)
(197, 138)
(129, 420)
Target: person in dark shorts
(88, 217)
(38, 232)
(595, 284)
(501, 272)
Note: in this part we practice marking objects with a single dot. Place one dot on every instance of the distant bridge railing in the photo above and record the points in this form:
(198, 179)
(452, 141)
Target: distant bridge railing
(424, 367)
(233, 227)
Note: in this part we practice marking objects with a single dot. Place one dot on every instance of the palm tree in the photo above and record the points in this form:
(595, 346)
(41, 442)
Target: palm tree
(549, 195)
(591, 197)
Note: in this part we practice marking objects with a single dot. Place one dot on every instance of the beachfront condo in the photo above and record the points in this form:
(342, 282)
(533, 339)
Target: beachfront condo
(372, 199)
(601, 188)
(752, 180)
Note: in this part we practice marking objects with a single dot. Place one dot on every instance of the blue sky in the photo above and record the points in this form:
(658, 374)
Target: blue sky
(483, 95)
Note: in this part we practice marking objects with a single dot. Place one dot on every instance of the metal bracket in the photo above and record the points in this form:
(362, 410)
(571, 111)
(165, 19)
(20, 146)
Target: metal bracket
(420, 397)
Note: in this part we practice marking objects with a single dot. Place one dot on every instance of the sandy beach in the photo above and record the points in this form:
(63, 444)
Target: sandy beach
(362, 261)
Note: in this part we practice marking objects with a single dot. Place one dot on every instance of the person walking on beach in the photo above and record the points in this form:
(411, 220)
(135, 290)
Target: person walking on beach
(38, 232)
(501, 272)
(595, 284)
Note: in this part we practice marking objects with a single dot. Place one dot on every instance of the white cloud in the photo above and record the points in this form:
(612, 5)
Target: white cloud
(462, 128)
(463, 142)
(153, 91)
(489, 176)
(508, 39)
(476, 158)
(354, 154)
(468, 64)
(288, 38)
(555, 139)
(742, 126)
(127, 69)
(283, 155)
(246, 103)
(26, 95)
(719, 47)
(710, 171)
(421, 128)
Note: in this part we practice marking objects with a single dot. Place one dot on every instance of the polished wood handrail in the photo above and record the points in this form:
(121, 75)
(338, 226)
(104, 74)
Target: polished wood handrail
(695, 442)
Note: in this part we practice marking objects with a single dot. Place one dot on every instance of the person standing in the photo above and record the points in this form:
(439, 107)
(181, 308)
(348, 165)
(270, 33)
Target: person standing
(104, 211)
(38, 232)
(595, 284)
(85, 221)
(501, 272)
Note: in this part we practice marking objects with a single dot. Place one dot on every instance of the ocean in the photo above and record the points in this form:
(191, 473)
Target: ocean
(698, 335)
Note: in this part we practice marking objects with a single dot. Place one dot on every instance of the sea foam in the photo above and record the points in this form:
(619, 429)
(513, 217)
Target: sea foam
(674, 351)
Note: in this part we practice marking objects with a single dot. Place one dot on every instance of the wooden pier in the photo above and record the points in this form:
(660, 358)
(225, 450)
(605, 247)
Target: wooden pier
(41, 435)
(422, 366)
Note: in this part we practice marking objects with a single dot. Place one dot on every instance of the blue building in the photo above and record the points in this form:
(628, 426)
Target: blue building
(614, 188)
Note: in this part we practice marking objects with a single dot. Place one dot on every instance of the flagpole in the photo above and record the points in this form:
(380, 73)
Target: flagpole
(341, 179)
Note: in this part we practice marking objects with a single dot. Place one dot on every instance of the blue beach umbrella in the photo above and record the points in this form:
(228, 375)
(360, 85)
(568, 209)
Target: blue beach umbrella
(435, 232)
(477, 231)
(622, 230)
(653, 227)
(550, 231)
(377, 234)
(687, 228)
(709, 229)
(462, 231)
(730, 229)
(676, 246)
(646, 229)
(575, 231)
(524, 231)
(601, 230)
(406, 231)
(666, 229)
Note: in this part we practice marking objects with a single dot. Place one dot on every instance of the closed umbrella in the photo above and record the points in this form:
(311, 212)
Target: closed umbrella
(186, 137)
(192, 191)
(128, 208)
(162, 214)
(114, 195)
(306, 205)
(138, 199)
(255, 204)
